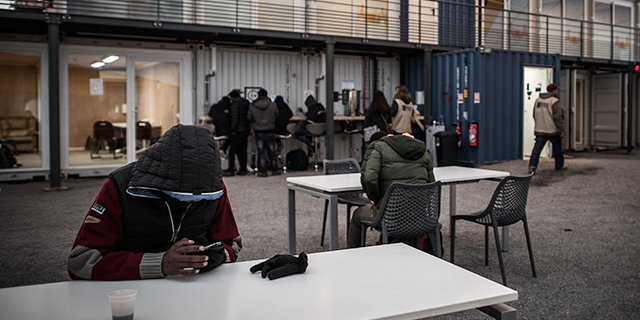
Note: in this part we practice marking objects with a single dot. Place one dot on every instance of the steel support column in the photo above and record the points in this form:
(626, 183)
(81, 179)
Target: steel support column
(427, 86)
(54, 102)
(329, 97)
(630, 105)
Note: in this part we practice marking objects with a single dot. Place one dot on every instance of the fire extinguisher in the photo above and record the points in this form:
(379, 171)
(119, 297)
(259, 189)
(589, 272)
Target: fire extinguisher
(473, 134)
(459, 132)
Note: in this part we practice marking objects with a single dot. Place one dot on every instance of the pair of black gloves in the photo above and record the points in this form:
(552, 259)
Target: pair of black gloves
(281, 265)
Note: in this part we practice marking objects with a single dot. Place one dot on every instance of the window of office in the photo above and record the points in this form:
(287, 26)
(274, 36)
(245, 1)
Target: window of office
(520, 5)
(622, 16)
(602, 13)
(552, 8)
(574, 9)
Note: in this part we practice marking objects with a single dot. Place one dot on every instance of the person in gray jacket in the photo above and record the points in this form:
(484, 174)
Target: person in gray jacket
(549, 117)
(263, 114)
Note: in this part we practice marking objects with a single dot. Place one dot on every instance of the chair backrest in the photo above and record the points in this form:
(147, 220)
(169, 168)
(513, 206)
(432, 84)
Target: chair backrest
(341, 166)
(143, 130)
(509, 200)
(102, 130)
(409, 210)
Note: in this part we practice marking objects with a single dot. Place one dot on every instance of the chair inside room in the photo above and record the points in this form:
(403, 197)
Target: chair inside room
(143, 134)
(407, 213)
(343, 166)
(507, 207)
(102, 133)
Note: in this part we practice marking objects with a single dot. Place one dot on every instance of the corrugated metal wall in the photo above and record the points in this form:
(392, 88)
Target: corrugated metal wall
(414, 76)
(497, 77)
(388, 77)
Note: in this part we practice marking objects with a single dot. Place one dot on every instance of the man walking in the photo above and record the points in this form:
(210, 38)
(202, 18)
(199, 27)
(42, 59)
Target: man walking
(263, 114)
(549, 118)
(239, 134)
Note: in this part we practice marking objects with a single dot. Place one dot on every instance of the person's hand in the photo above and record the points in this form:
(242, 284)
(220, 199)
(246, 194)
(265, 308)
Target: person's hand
(281, 265)
(176, 260)
(406, 134)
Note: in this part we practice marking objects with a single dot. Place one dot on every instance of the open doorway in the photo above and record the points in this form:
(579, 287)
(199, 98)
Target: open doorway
(536, 80)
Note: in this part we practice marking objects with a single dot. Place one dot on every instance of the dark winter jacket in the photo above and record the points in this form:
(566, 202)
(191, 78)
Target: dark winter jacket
(316, 113)
(373, 118)
(239, 109)
(394, 159)
(219, 114)
(284, 114)
(263, 114)
(142, 210)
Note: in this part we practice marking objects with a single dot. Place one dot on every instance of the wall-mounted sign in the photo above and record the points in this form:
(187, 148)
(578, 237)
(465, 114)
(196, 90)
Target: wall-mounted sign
(476, 97)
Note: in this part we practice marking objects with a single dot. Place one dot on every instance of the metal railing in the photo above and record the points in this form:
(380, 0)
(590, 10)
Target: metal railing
(443, 23)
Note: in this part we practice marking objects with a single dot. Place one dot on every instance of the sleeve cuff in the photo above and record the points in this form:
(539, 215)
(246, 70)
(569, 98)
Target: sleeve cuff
(151, 265)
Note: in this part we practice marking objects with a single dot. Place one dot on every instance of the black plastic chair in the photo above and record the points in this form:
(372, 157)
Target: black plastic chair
(143, 133)
(343, 166)
(102, 132)
(507, 207)
(408, 212)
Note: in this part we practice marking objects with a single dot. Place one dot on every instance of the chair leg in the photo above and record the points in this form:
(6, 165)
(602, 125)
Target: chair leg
(497, 236)
(324, 222)
(486, 245)
(453, 239)
(348, 218)
(436, 246)
(526, 233)
(363, 235)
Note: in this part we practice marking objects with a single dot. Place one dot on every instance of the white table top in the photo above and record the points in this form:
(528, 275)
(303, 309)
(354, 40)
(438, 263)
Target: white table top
(344, 284)
(351, 182)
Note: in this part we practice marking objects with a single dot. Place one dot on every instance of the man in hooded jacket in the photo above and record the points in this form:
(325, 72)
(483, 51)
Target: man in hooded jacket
(388, 159)
(239, 134)
(153, 217)
(263, 114)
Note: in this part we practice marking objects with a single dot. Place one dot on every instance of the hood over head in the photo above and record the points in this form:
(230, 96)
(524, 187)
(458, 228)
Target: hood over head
(546, 95)
(184, 163)
(262, 103)
(407, 147)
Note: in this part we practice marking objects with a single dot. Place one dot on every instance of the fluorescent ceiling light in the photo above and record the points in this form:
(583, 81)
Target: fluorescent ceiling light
(110, 59)
(97, 64)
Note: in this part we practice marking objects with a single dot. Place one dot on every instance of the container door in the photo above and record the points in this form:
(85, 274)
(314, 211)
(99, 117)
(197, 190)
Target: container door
(535, 82)
(580, 112)
(606, 114)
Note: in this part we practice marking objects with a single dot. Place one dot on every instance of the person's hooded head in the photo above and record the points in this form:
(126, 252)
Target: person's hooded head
(309, 101)
(262, 93)
(184, 164)
(235, 93)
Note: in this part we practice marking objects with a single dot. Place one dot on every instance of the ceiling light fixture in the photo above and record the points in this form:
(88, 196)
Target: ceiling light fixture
(97, 64)
(110, 59)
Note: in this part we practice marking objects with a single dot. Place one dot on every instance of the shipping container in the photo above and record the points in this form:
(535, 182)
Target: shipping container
(487, 87)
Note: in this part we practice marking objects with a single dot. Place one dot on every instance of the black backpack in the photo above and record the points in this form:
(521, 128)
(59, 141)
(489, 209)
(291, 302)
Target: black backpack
(297, 160)
(7, 160)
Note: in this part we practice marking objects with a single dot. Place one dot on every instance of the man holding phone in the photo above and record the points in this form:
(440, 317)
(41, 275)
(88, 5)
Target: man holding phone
(166, 214)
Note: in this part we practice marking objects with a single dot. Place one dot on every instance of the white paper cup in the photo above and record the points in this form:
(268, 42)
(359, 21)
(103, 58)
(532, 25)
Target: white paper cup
(122, 304)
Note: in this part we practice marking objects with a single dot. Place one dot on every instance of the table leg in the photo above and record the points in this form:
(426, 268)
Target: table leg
(505, 239)
(452, 200)
(292, 221)
(333, 222)
(500, 311)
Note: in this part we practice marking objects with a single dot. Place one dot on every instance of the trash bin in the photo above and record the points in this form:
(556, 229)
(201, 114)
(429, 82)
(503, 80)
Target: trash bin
(447, 148)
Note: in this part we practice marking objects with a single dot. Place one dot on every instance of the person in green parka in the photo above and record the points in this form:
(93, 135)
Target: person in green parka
(388, 159)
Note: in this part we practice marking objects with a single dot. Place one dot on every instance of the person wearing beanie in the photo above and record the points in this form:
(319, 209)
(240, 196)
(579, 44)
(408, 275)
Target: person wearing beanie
(153, 217)
(315, 114)
(549, 126)
(388, 159)
(239, 134)
(263, 114)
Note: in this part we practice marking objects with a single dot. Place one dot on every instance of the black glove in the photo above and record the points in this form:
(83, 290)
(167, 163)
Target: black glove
(281, 265)
(216, 255)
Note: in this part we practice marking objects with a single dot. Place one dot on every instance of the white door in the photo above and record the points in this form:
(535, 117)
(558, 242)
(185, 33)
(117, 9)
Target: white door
(580, 111)
(536, 80)
(606, 112)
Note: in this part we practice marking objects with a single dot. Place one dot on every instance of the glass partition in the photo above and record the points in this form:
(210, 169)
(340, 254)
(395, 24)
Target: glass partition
(20, 107)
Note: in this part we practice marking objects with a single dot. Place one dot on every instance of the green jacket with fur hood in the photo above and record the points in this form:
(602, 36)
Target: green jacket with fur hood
(394, 159)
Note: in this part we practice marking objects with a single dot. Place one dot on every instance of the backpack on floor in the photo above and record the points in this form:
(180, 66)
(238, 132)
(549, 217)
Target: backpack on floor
(297, 160)
(7, 160)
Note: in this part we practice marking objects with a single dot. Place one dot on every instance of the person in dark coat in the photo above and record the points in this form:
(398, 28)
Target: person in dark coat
(315, 114)
(239, 134)
(221, 120)
(263, 114)
(152, 213)
(284, 114)
(378, 112)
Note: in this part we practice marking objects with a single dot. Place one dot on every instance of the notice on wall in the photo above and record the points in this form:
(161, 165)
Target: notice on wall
(419, 97)
(476, 97)
(348, 84)
(96, 87)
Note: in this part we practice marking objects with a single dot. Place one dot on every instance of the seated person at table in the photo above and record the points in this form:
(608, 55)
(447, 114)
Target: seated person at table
(150, 214)
(315, 114)
(388, 159)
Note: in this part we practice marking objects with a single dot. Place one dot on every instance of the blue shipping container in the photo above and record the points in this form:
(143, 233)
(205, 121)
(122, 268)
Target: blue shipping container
(485, 86)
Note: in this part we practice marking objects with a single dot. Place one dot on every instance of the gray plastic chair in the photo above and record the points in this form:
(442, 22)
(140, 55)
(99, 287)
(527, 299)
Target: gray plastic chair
(343, 166)
(507, 207)
(408, 211)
